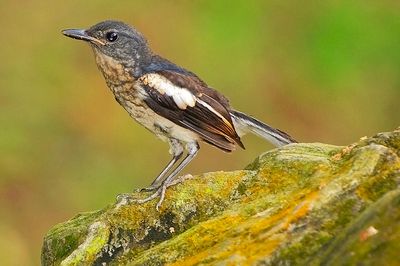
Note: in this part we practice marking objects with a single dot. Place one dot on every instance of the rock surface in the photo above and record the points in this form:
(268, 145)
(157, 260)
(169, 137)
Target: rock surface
(303, 204)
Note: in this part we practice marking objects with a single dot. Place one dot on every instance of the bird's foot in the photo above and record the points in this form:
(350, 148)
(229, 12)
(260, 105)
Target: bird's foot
(127, 198)
(159, 192)
(149, 188)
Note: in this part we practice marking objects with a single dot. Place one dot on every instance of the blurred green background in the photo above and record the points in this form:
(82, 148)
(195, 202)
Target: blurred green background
(324, 71)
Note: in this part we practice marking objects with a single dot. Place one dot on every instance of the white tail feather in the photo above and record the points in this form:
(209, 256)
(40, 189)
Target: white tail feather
(245, 123)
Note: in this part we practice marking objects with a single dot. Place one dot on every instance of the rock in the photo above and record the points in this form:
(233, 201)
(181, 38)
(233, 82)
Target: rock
(302, 204)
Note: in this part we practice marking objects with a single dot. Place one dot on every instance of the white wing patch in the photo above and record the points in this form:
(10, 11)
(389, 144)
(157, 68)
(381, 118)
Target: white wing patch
(181, 96)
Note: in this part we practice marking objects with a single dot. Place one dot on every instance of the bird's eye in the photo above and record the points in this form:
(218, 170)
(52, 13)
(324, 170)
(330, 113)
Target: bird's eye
(112, 36)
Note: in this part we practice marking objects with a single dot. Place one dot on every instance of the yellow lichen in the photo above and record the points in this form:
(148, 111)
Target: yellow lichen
(288, 207)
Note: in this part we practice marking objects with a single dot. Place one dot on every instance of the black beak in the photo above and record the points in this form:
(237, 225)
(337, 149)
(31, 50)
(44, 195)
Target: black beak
(81, 35)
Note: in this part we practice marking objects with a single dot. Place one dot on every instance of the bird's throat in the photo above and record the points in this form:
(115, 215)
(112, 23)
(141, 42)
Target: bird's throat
(114, 72)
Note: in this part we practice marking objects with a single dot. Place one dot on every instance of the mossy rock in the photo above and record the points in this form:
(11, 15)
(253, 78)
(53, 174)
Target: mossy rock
(302, 204)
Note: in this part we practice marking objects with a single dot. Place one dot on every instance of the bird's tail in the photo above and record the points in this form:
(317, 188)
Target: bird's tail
(245, 123)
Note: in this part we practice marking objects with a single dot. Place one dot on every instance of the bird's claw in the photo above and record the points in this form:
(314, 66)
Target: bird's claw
(160, 191)
(128, 198)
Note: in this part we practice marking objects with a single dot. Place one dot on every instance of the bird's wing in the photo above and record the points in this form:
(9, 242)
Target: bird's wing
(189, 102)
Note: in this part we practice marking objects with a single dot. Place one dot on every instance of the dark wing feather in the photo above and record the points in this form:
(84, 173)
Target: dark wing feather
(214, 126)
(192, 124)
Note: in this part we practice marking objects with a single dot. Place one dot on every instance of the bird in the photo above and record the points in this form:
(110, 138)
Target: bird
(170, 101)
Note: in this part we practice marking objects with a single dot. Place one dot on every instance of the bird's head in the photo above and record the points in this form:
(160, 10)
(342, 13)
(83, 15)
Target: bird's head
(114, 39)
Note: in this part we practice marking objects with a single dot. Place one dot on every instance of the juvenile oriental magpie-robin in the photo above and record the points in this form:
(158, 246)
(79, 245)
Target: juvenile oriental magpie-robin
(170, 101)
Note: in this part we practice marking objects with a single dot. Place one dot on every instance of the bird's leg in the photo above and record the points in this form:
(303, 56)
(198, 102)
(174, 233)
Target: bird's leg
(176, 149)
(192, 149)
(158, 180)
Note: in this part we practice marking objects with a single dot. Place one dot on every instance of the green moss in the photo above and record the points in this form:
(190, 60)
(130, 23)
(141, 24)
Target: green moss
(294, 205)
(64, 238)
(96, 239)
(353, 244)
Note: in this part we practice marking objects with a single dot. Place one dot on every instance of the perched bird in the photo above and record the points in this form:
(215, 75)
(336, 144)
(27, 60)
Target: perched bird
(170, 101)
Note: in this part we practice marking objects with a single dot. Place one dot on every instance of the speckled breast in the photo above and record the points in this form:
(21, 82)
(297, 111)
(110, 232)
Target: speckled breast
(116, 75)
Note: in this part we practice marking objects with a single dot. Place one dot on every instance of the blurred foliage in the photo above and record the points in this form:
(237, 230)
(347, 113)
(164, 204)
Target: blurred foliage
(325, 71)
